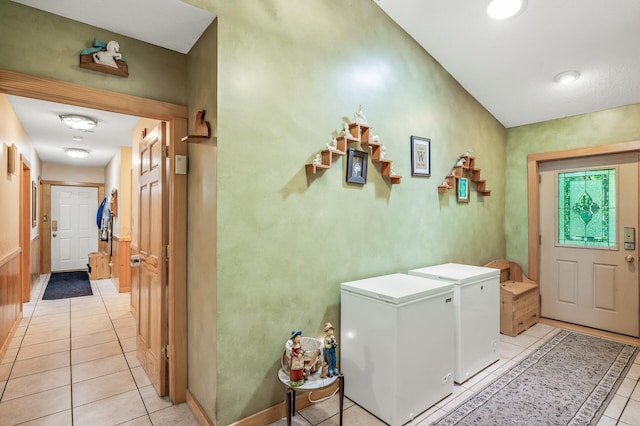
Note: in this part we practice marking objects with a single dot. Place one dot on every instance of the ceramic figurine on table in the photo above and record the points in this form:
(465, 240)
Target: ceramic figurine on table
(296, 363)
(330, 345)
(360, 118)
(317, 160)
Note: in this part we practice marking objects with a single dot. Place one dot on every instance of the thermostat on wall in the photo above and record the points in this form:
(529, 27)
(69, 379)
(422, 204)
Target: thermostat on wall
(181, 164)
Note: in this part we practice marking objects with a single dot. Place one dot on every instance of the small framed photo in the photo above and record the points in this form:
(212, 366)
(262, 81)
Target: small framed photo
(463, 190)
(12, 160)
(420, 156)
(357, 166)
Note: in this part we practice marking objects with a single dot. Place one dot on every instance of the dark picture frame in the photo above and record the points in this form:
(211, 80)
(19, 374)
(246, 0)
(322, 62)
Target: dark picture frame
(463, 190)
(420, 156)
(357, 166)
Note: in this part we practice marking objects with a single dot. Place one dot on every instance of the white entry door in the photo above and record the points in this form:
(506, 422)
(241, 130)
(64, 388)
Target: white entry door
(587, 275)
(74, 233)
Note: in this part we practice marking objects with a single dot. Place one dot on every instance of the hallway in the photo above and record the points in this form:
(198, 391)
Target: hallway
(73, 361)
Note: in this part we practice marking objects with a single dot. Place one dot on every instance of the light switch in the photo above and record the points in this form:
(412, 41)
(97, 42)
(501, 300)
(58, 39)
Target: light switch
(181, 164)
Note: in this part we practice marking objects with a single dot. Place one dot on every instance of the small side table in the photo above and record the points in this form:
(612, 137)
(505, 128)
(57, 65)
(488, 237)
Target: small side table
(313, 383)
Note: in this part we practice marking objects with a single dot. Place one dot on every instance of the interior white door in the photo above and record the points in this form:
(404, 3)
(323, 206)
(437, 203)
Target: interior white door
(587, 275)
(73, 226)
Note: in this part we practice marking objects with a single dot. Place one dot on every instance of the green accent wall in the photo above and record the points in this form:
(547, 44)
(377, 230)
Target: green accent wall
(46, 45)
(289, 75)
(599, 128)
(201, 225)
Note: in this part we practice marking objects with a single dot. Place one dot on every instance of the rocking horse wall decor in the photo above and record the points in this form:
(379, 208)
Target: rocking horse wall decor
(104, 57)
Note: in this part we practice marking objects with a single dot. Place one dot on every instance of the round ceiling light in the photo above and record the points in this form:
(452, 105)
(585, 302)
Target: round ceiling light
(76, 152)
(79, 122)
(566, 77)
(503, 9)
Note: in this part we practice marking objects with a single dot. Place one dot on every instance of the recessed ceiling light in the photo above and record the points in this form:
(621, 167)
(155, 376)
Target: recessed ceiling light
(79, 122)
(503, 9)
(567, 77)
(76, 152)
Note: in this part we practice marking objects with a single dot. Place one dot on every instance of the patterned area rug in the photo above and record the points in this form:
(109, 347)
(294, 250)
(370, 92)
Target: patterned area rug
(568, 381)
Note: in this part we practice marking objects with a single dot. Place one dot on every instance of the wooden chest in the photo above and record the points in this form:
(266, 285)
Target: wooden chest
(519, 306)
(99, 265)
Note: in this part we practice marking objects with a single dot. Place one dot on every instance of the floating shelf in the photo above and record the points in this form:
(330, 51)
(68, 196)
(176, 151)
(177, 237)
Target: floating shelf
(202, 129)
(355, 133)
(468, 168)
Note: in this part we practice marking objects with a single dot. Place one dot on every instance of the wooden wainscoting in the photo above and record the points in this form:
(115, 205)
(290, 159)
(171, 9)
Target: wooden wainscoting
(10, 298)
(120, 263)
(34, 274)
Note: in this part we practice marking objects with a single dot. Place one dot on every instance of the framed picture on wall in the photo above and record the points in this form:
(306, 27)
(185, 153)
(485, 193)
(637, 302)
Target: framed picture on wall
(463, 190)
(420, 156)
(357, 166)
(12, 160)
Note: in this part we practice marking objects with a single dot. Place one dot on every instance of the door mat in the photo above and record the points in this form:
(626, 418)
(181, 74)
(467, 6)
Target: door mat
(569, 380)
(63, 285)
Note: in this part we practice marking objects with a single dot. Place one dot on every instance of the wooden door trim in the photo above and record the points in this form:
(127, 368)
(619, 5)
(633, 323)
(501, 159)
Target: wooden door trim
(533, 187)
(15, 83)
(25, 229)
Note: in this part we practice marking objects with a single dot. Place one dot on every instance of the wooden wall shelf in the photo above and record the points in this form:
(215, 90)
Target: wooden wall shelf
(202, 129)
(467, 169)
(358, 133)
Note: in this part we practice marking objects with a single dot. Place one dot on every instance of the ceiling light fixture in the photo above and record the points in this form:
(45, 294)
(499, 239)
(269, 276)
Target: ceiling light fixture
(79, 122)
(503, 9)
(566, 77)
(76, 152)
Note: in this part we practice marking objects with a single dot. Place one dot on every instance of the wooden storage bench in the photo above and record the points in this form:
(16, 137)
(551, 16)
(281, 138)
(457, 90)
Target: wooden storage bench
(99, 265)
(519, 298)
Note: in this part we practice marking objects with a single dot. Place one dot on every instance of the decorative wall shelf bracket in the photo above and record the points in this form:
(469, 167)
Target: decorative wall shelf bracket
(202, 129)
(468, 168)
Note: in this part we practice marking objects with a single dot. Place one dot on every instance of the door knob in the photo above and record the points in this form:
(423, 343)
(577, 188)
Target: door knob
(629, 258)
(55, 235)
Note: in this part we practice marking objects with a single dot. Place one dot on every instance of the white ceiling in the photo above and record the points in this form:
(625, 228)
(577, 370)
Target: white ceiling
(509, 66)
(50, 136)
(167, 23)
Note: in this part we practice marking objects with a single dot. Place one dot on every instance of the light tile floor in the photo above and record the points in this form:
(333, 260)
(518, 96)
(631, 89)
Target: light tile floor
(623, 410)
(72, 362)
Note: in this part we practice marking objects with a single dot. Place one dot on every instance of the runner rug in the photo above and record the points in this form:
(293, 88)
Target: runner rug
(63, 285)
(569, 380)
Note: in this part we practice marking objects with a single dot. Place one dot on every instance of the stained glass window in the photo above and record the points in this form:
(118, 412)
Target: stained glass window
(587, 208)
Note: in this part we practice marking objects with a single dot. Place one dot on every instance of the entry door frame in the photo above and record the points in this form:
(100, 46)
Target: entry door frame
(19, 84)
(533, 186)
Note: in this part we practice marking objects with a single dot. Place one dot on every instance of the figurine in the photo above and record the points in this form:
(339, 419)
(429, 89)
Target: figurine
(109, 56)
(333, 145)
(393, 172)
(347, 133)
(468, 153)
(330, 346)
(374, 139)
(461, 162)
(317, 160)
(296, 363)
(383, 152)
(360, 118)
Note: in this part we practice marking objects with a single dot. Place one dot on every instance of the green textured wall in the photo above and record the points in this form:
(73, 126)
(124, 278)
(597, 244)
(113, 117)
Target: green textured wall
(600, 128)
(289, 73)
(46, 45)
(201, 229)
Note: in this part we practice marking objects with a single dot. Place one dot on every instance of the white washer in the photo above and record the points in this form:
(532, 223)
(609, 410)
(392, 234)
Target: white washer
(396, 344)
(476, 295)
